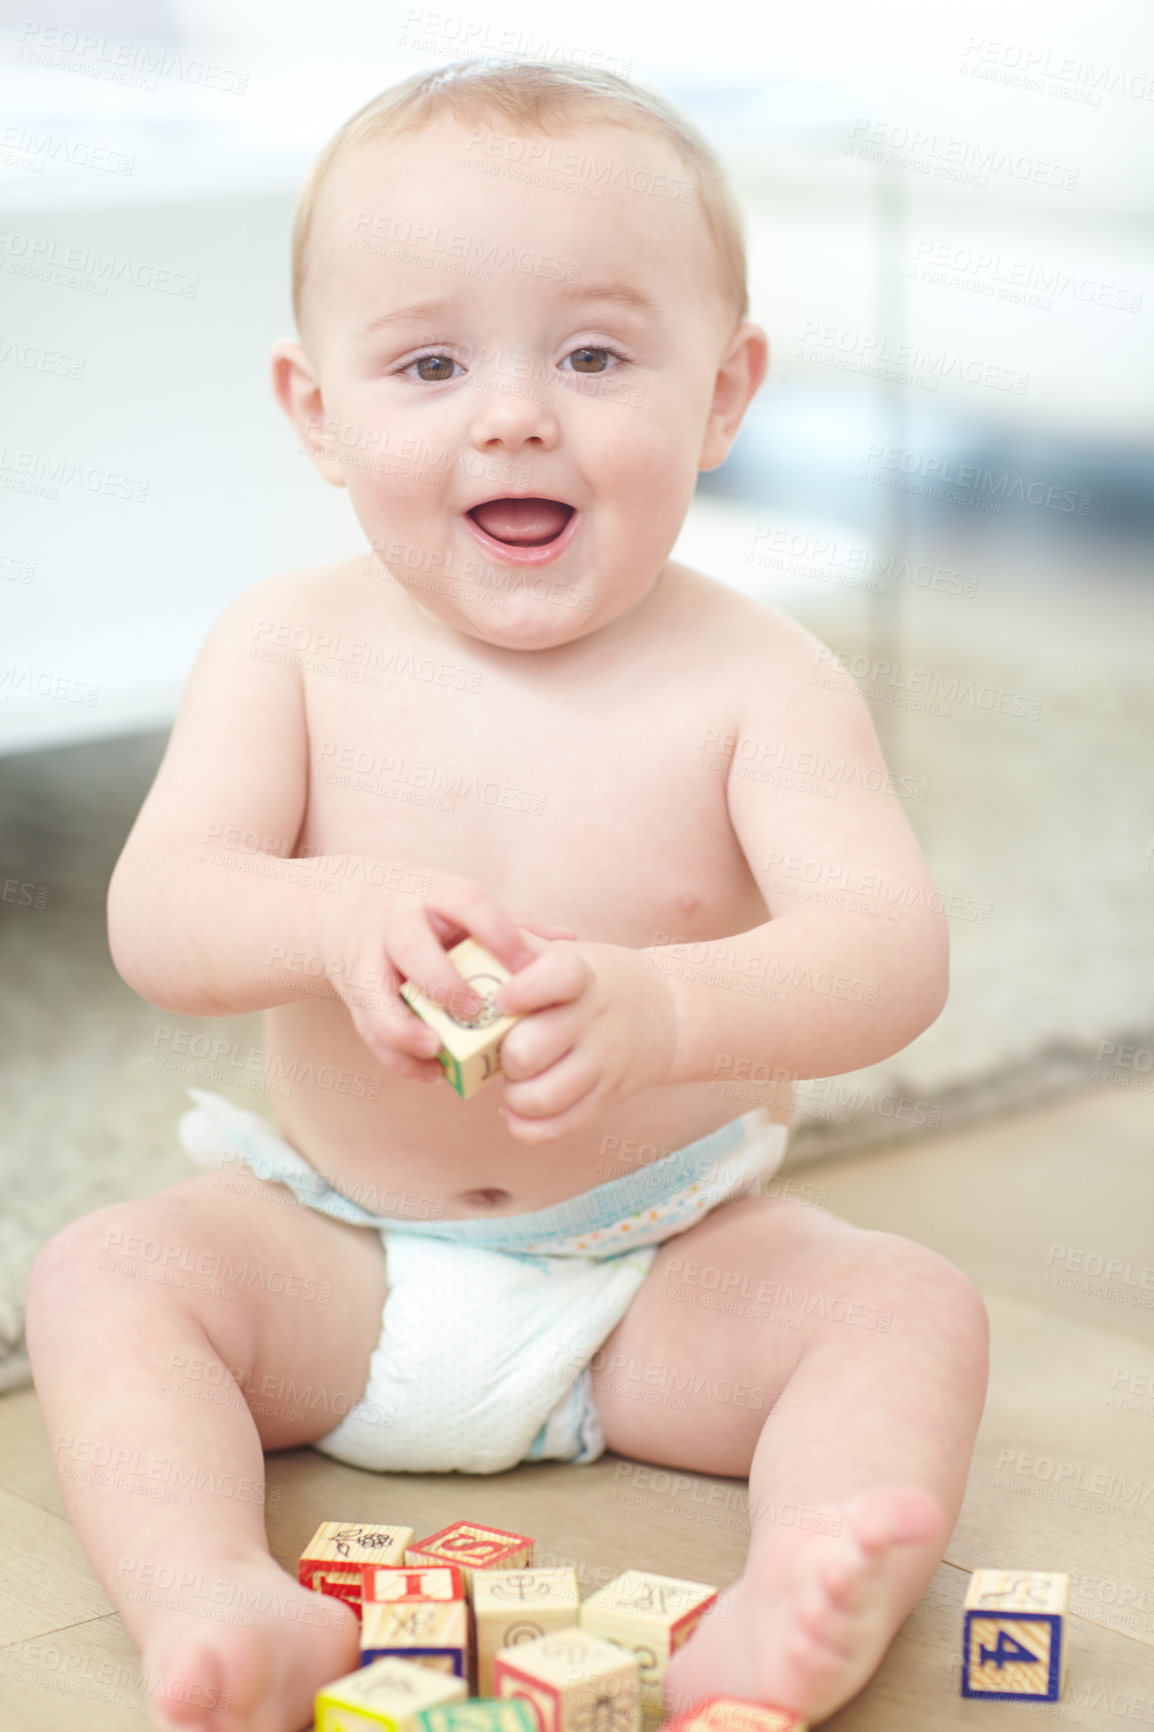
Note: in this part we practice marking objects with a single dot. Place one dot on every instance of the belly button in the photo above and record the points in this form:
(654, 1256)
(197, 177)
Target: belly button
(489, 1197)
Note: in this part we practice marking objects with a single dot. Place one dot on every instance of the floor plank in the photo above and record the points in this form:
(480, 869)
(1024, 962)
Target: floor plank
(1061, 1476)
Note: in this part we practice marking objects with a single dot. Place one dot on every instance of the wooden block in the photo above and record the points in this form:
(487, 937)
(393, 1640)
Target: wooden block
(1013, 1647)
(474, 1548)
(479, 1714)
(470, 1051)
(730, 1714)
(575, 1681)
(433, 1632)
(334, 1560)
(652, 1616)
(384, 1697)
(514, 1606)
(393, 1583)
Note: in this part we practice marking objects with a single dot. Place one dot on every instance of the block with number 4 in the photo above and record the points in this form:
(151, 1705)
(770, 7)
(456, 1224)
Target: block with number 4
(1013, 1646)
(515, 1606)
(652, 1616)
(730, 1714)
(473, 1548)
(384, 1697)
(334, 1560)
(575, 1681)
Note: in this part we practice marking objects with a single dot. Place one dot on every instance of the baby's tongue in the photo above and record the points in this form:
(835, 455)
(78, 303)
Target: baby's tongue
(524, 522)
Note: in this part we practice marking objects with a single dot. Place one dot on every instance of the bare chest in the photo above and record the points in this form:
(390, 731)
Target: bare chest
(586, 799)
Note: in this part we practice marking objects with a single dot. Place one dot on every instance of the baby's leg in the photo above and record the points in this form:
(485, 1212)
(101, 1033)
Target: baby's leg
(166, 1488)
(870, 1354)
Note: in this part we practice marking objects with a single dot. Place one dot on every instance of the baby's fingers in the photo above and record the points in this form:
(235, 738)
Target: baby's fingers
(556, 975)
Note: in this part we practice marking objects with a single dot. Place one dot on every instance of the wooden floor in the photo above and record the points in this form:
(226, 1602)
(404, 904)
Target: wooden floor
(1050, 1212)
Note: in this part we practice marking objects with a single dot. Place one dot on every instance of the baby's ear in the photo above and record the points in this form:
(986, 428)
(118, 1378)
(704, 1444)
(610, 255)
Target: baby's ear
(739, 377)
(297, 391)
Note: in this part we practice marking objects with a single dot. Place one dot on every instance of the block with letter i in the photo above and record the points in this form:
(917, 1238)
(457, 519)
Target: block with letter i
(471, 1547)
(730, 1714)
(387, 1696)
(334, 1560)
(652, 1616)
(1014, 1646)
(514, 1606)
(575, 1682)
(470, 1052)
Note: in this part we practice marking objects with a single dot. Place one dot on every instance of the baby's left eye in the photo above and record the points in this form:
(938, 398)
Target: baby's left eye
(583, 357)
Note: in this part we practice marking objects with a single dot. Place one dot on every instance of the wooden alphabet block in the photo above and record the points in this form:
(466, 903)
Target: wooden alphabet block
(393, 1583)
(730, 1714)
(433, 1632)
(384, 1697)
(515, 1606)
(1013, 1646)
(479, 1714)
(470, 1051)
(575, 1681)
(473, 1548)
(334, 1560)
(652, 1616)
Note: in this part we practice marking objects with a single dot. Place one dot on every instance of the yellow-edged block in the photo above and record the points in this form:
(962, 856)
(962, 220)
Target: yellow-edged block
(515, 1606)
(334, 1560)
(575, 1681)
(1014, 1643)
(731, 1714)
(471, 1547)
(435, 1633)
(385, 1697)
(652, 1616)
(470, 1051)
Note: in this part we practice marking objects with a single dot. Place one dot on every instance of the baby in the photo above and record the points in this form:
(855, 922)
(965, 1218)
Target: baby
(520, 292)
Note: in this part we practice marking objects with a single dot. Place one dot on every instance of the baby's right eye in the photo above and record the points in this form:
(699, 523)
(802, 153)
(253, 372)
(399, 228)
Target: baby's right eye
(444, 362)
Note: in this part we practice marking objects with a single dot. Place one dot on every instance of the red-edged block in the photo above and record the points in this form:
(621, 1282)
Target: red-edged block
(730, 1714)
(334, 1560)
(394, 1583)
(472, 1547)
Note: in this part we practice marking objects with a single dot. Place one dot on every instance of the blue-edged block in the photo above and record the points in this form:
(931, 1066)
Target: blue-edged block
(479, 1714)
(1011, 1648)
(455, 1657)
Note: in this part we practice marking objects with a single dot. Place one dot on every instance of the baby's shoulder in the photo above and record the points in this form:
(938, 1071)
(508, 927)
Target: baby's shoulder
(751, 633)
(293, 607)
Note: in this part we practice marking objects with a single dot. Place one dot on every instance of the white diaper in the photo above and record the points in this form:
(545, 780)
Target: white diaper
(489, 1324)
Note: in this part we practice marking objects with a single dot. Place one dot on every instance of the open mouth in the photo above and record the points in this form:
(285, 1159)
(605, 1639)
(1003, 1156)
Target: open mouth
(522, 522)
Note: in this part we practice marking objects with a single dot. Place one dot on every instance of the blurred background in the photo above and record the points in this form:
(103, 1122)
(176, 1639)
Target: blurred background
(947, 476)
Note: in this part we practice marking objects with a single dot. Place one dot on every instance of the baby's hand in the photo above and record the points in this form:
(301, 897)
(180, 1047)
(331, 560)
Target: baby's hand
(599, 1026)
(376, 940)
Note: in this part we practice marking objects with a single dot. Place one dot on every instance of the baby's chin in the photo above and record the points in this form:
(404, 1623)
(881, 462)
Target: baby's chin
(516, 619)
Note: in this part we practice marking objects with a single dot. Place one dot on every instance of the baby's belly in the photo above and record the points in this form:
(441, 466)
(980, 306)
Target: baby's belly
(405, 1148)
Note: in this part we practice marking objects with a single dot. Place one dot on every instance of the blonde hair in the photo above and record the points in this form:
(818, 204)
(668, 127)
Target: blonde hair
(539, 98)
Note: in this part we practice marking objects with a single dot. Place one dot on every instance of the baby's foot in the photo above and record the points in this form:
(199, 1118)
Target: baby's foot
(259, 1667)
(807, 1628)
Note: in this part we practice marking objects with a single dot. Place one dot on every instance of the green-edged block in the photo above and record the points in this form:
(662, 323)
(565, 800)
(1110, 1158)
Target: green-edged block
(479, 1714)
(453, 1071)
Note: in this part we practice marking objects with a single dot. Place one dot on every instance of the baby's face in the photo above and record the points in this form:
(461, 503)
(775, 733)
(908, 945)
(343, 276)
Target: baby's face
(519, 401)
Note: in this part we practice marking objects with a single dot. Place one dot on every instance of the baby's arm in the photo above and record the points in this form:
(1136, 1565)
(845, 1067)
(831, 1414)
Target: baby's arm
(206, 905)
(857, 986)
(818, 989)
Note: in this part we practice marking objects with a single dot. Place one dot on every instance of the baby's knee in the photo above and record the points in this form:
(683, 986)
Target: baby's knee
(924, 1288)
(93, 1251)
